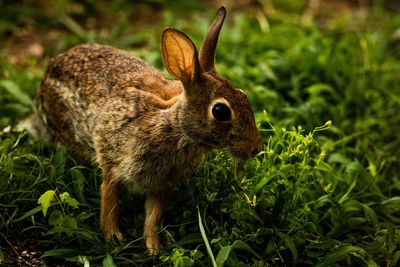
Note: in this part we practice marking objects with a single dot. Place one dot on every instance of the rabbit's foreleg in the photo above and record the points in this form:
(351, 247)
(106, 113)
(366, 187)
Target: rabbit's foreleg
(154, 206)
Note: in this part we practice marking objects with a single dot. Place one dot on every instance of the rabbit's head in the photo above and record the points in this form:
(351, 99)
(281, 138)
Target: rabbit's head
(214, 113)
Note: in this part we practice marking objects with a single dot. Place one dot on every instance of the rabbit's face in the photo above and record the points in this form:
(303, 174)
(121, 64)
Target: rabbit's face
(213, 113)
(221, 116)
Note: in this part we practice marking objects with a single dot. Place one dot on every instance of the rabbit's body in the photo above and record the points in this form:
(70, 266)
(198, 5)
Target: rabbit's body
(144, 131)
(117, 110)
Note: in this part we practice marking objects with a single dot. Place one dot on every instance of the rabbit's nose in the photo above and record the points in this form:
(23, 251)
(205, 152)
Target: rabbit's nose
(257, 147)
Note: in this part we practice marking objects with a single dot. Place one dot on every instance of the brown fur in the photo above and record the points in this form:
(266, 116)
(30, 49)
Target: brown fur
(154, 206)
(144, 131)
(109, 213)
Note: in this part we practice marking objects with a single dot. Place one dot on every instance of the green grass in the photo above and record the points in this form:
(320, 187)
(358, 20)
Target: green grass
(324, 192)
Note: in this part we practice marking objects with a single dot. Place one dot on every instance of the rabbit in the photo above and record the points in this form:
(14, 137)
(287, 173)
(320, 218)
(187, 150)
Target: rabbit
(144, 131)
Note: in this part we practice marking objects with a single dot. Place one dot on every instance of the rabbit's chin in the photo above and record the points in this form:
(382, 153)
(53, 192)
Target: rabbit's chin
(237, 154)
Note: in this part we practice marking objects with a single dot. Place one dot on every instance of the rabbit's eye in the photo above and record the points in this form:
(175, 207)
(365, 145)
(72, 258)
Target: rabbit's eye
(221, 112)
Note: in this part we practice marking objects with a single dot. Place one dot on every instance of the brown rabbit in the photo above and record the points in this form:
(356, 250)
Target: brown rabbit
(143, 130)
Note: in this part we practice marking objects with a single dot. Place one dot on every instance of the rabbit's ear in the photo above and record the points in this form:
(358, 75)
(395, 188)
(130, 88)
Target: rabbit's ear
(180, 55)
(207, 50)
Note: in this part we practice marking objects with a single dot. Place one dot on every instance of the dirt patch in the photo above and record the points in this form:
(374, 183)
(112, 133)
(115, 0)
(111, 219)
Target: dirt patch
(17, 253)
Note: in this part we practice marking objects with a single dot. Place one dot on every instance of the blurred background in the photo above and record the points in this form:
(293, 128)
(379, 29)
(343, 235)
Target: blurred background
(35, 29)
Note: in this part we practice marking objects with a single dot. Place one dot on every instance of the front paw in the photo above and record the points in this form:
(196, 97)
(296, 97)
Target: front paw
(113, 234)
(153, 245)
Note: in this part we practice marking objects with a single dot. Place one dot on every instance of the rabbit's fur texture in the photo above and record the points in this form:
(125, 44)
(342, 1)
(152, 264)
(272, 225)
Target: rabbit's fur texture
(143, 130)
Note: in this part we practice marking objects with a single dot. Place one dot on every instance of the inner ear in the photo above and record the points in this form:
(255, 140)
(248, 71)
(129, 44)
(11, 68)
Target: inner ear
(180, 55)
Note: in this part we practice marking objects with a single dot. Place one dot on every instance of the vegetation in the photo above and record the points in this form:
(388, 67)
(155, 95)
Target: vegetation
(326, 92)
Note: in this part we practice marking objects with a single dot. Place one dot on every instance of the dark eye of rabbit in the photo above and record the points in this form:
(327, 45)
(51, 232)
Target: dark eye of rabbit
(221, 112)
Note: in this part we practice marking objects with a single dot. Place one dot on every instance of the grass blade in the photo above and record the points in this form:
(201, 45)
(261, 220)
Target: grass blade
(345, 252)
(205, 239)
(16, 92)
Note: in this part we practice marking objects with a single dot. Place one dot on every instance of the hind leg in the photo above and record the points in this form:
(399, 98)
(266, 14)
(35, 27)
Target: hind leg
(110, 207)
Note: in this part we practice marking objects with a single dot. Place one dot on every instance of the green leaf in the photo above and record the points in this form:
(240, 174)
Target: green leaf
(370, 214)
(320, 88)
(45, 200)
(345, 195)
(223, 255)
(70, 222)
(29, 213)
(66, 198)
(81, 259)
(62, 253)
(344, 253)
(291, 245)
(239, 244)
(108, 261)
(392, 202)
(15, 91)
(205, 239)
(324, 244)
(395, 258)
(56, 218)
(77, 29)
(59, 160)
(79, 181)
(224, 252)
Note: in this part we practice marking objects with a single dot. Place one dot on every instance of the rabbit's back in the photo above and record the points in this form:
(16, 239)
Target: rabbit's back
(99, 71)
(88, 82)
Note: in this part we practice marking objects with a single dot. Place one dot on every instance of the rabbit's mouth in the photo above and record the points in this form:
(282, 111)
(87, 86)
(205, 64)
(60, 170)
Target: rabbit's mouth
(246, 150)
(243, 155)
